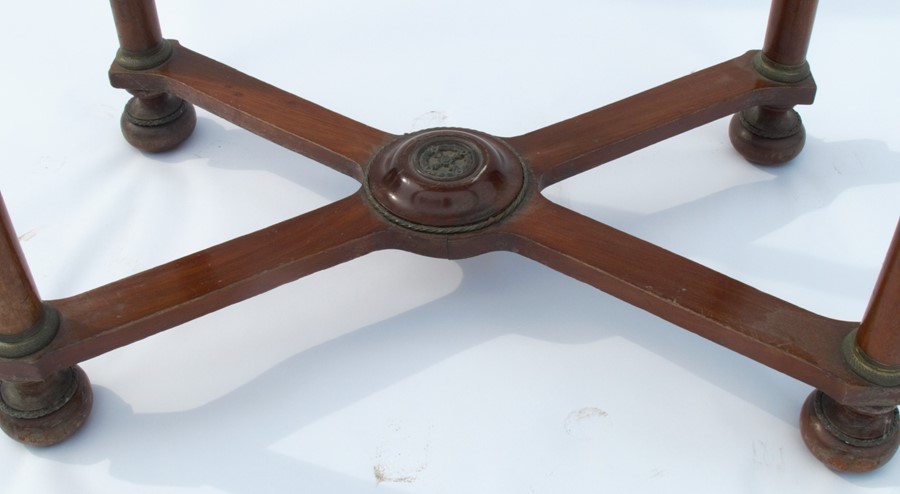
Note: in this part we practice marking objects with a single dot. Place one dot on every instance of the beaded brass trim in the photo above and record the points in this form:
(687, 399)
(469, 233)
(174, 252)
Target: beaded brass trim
(36, 338)
(867, 367)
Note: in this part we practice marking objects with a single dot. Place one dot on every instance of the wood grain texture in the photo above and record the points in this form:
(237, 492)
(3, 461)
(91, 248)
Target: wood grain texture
(565, 149)
(281, 117)
(776, 333)
(137, 24)
(760, 326)
(20, 306)
(133, 308)
(879, 333)
(789, 31)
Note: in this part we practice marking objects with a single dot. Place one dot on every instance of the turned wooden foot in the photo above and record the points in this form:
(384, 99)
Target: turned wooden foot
(773, 135)
(766, 135)
(44, 413)
(41, 409)
(152, 121)
(157, 123)
(849, 439)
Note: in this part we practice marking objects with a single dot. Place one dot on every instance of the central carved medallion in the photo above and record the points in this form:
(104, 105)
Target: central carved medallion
(446, 160)
(445, 180)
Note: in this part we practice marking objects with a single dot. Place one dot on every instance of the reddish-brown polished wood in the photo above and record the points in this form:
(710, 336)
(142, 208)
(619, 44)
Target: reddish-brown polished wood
(137, 24)
(136, 307)
(153, 121)
(773, 133)
(849, 439)
(20, 306)
(565, 149)
(776, 333)
(444, 180)
(481, 194)
(157, 122)
(767, 135)
(295, 123)
(789, 31)
(48, 411)
(879, 333)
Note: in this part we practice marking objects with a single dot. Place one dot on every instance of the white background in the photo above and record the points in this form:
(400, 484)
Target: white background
(398, 373)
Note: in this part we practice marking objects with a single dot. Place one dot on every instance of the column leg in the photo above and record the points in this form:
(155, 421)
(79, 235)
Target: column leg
(859, 439)
(770, 135)
(875, 351)
(42, 412)
(153, 122)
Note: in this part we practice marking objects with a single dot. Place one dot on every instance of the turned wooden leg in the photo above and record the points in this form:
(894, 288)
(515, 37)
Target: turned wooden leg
(153, 122)
(859, 439)
(769, 135)
(874, 350)
(33, 412)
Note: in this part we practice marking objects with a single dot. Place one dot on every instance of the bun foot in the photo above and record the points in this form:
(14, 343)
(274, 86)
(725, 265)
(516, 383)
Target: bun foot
(848, 439)
(767, 136)
(158, 123)
(47, 412)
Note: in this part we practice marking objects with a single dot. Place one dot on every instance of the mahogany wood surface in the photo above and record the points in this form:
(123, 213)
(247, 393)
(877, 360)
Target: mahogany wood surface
(778, 334)
(565, 149)
(509, 213)
(138, 25)
(20, 306)
(121, 312)
(878, 334)
(763, 327)
(281, 117)
(789, 31)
